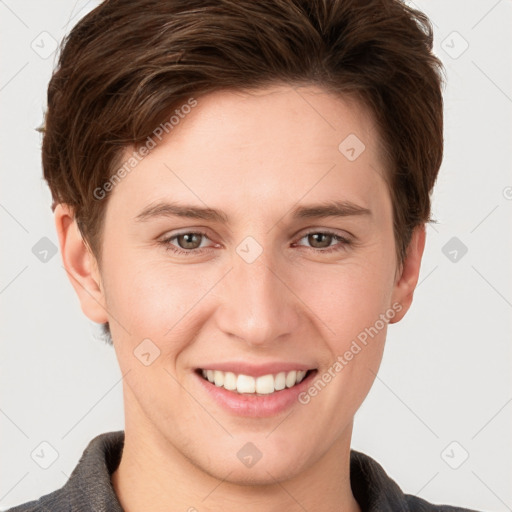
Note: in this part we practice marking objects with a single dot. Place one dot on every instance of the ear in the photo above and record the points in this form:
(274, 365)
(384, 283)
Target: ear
(80, 265)
(407, 278)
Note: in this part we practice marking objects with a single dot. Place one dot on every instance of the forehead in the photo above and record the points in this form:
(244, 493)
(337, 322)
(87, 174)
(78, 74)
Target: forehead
(274, 145)
(283, 119)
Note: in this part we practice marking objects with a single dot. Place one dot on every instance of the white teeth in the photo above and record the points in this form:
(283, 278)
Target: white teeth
(291, 379)
(230, 381)
(280, 381)
(245, 384)
(218, 378)
(263, 385)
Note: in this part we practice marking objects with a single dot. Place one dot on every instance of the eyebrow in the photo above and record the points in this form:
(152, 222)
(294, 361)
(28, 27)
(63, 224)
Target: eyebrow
(313, 211)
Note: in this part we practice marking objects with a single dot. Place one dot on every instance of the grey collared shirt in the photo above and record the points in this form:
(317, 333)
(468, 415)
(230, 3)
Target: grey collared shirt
(89, 488)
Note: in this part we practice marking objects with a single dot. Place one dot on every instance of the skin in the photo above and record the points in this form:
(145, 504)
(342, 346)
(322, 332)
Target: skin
(256, 156)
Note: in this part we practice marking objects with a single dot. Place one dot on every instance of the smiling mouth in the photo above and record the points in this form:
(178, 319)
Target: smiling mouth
(262, 385)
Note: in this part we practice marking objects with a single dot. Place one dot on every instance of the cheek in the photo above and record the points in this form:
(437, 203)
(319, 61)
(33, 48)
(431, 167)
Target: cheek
(345, 298)
(354, 312)
(351, 303)
(153, 299)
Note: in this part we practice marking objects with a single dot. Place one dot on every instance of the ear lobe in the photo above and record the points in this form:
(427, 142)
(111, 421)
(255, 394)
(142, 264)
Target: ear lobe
(407, 280)
(80, 264)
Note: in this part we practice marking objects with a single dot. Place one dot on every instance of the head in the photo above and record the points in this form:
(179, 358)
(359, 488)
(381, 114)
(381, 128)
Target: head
(310, 136)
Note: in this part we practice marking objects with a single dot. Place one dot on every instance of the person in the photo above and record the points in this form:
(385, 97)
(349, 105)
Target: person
(240, 194)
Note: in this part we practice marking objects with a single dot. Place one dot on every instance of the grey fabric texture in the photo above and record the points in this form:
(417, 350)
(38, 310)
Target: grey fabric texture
(89, 488)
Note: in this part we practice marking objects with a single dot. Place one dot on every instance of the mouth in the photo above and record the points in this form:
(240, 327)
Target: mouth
(269, 384)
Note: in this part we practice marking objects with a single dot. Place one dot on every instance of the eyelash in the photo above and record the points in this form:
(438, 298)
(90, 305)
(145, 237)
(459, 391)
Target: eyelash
(177, 250)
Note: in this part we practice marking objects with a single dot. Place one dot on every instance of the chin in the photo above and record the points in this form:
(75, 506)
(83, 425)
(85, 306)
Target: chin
(262, 473)
(273, 462)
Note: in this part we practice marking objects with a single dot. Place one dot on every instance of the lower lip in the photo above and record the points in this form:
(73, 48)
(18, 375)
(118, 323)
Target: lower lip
(247, 404)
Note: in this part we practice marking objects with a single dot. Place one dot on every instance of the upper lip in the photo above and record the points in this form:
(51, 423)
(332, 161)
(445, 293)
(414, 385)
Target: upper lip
(256, 370)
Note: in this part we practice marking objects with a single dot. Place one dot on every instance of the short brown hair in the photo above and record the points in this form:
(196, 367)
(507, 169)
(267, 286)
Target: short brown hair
(128, 63)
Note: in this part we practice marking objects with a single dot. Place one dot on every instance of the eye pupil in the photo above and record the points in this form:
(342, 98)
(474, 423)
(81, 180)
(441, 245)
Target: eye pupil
(189, 242)
(314, 237)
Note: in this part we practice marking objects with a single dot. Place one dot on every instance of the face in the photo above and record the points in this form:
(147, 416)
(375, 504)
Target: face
(253, 246)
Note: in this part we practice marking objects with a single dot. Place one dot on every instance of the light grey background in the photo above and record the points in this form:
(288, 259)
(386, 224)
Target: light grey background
(446, 374)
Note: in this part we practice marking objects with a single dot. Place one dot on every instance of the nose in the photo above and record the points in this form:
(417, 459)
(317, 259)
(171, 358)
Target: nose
(257, 303)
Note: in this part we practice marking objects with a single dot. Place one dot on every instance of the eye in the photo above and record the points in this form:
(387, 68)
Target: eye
(188, 243)
(191, 242)
(322, 240)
